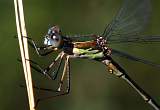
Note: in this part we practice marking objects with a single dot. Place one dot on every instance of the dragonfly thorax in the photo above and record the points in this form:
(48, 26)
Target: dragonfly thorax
(102, 45)
(101, 41)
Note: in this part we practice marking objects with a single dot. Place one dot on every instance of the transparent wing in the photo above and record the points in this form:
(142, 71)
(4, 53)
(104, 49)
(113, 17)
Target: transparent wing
(82, 37)
(130, 20)
(135, 39)
(130, 57)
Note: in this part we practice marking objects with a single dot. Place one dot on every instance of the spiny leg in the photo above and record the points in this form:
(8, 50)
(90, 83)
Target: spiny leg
(45, 71)
(40, 88)
(65, 71)
(41, 51)
(115, 69)
(38, 68)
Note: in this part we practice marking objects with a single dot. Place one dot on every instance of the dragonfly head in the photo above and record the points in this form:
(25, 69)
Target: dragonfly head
(53, 37)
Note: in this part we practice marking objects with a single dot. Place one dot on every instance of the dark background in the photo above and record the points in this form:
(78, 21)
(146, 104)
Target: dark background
(92, 88)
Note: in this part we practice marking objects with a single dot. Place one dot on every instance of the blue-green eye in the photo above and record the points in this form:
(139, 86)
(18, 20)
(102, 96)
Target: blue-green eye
(53, 40)
(53, 37)
(51, 31)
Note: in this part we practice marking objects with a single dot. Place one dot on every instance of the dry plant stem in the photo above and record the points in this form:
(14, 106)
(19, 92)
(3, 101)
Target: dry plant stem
(116, 70)
(21, 31)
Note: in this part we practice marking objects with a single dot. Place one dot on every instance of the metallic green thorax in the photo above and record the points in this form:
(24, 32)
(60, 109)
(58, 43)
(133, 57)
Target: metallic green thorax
(88, 53)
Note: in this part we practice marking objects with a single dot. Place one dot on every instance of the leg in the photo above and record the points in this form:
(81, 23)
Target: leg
(51, 75)
(40, 88)
(65, 71)
(115, 69)
(45, 71)
(41, 51)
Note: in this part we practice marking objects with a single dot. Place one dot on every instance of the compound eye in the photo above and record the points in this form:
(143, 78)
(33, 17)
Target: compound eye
(50, 32)
(56, 38)
(53, 37)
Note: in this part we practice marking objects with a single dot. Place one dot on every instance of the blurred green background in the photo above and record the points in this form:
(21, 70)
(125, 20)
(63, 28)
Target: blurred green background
(92, 88)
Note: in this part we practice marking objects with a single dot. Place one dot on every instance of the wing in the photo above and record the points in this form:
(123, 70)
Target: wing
(135, 39)
(83, 37)
(130, 57)
(130, 20)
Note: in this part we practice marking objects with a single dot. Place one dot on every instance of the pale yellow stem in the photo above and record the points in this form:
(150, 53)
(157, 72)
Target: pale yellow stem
(21, 31)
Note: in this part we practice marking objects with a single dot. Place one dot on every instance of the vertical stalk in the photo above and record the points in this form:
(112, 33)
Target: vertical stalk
(21, 31)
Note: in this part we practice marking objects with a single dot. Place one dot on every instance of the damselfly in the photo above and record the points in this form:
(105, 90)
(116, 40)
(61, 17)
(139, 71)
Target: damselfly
(124, 28)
